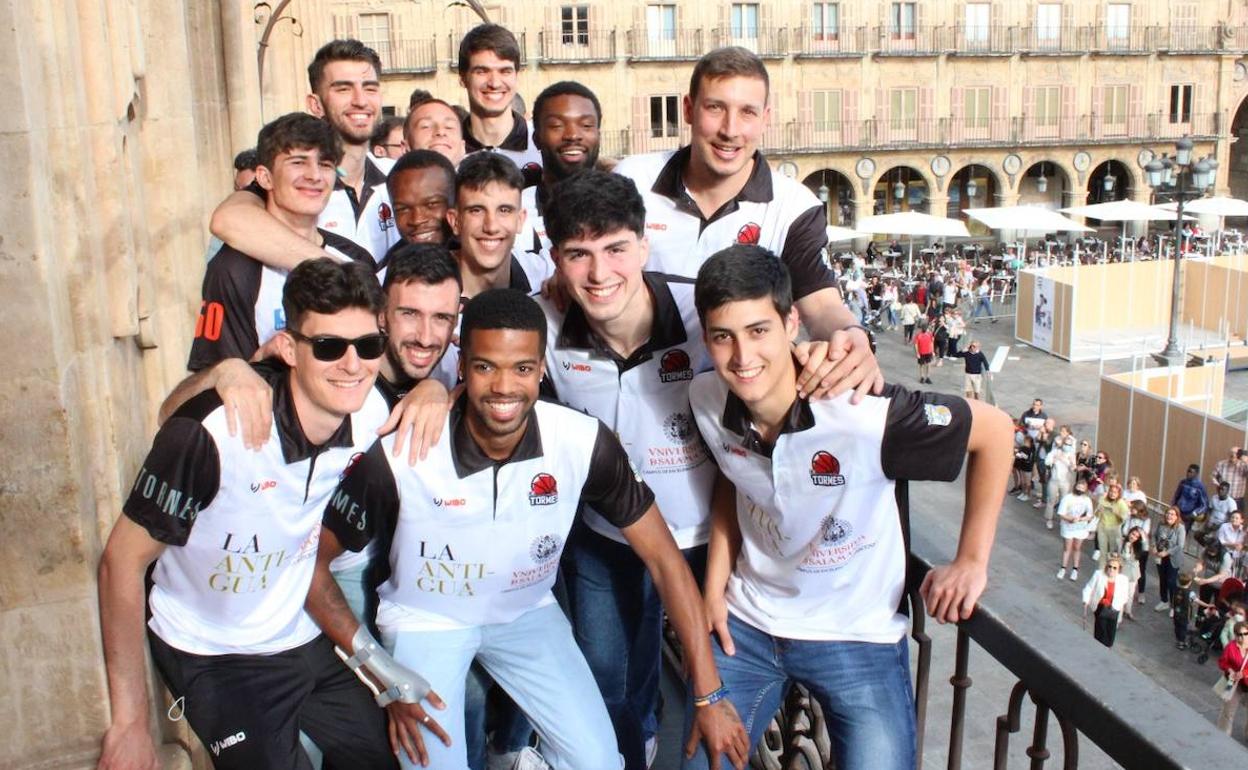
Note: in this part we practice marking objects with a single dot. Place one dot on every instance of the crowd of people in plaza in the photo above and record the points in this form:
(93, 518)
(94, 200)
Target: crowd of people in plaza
(1196, 544)
(469, 414)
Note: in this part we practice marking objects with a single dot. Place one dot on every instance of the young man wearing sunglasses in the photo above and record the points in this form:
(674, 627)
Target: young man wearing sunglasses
(242, 308)
(233, 534)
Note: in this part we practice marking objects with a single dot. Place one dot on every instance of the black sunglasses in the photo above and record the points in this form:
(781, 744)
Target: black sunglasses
(327, 348)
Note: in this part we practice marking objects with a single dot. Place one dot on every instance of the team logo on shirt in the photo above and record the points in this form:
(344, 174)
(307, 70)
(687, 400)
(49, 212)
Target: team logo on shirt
(674, 366)
(825, 470)
(545, 547)
(749, 234)
(385, 217)
(575, 366)
(263, 485)
(733, 449)
(937, 414)
(678, 427)
(543, 490)
(355, 458)
(833, 530)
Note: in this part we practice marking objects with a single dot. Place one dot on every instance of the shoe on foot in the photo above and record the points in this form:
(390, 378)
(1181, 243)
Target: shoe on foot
(1037, 504)
(1180, 645)
(1172, 612)
(1161, 606)
(1096, 554)
(1022, 496)
(1139, 599)
(1074, 574)
(1048, 525)
(1061, 573)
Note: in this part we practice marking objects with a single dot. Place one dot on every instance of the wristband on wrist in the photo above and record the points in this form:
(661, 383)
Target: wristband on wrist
(714, 696)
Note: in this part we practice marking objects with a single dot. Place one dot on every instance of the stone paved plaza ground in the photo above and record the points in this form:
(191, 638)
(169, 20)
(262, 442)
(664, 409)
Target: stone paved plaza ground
(1025, 555)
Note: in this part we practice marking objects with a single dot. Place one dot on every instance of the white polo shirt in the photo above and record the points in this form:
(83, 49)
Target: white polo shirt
(771, 211)
(517, 146)
(242, 526)
(823, 513)
(532, 238)
(470, 540)
(645, 400)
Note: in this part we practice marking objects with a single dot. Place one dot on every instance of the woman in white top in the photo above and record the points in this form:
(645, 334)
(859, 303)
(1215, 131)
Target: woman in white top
(1133, 491)
(1134, 556)
(1139, 520)
(1108, 592)
(1061, 462)
(1075, 513)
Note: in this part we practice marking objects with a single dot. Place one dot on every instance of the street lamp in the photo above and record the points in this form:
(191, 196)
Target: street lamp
(1170, 177)
(824, 193)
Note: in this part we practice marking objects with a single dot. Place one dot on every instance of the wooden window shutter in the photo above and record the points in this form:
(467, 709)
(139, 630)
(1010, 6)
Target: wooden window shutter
(1000, 113)
(849, 119)
(1069, 112)
(957, 110)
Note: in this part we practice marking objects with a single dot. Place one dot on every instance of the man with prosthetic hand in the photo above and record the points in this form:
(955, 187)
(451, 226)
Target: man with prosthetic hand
(234, 536)
(475, 533)
(806, 577)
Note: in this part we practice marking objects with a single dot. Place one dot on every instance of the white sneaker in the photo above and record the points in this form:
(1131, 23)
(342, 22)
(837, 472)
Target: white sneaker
(528, 759)
(1096, 555)
(1048, 525)
(1074, 574)
(1161, 606)
(1171, 612)
(1061, 573)
(1022, 496)
(652, 750)
(1140, 599)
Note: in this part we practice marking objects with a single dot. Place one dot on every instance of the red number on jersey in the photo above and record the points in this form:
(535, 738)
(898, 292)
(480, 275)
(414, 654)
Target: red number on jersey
(208, 324)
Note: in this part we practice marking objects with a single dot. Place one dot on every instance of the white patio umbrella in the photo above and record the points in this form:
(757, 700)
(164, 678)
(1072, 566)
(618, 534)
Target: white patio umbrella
(1123, 211)
(1029, 221)
(1219, 206)
(837, 234)
(912, 223)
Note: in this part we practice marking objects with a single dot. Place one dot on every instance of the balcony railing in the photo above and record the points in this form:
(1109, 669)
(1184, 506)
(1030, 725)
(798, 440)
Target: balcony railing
(1127, 38)
(764, 41)
(845, 41)
(578, 46)
(889, 40)
(409, 56)
(991, 39)
(683, 44)
(455, 35)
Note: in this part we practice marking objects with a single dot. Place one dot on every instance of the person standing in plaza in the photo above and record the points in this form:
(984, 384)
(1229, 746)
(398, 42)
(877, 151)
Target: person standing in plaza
(977, 370)
(1061, 464)
(1106, 594)
(1190, 496)
(924, 350)
(1139, 519)
(1233, 663)
(1075, 514)
(910, 313)
(1168, 542)
(1111, 512)
(1233, 471)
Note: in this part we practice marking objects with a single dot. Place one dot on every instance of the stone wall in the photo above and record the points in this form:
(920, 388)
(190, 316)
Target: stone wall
(116, 140)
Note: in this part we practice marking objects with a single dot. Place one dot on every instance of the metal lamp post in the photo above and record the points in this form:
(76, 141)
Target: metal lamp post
(1171, 177)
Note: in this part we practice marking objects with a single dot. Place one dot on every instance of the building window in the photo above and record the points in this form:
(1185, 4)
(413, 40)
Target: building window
(574, 24)
(827, 109)
(745, 21)
(976, 107)
(375, 33)
(1115, 105)
(1181, 104)
(1118, 21)
(902, 108)
(902, 18)
(825, 21)
(1048, 106)
(1049, 22)
(978, 17)
(664, 118)
(661, 22)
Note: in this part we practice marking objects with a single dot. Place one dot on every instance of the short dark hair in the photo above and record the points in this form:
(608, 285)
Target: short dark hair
(348, 49)
(419, 96)
(594, 203)
(297, 130)
(1193, 467)
(502, 309)
(742, 272)
(480, 168)
(488, 37)
(247, 160)
(326, 286)
(427, 263)
(726, 62)
(413, 160)
(564, 88)
(382, 132)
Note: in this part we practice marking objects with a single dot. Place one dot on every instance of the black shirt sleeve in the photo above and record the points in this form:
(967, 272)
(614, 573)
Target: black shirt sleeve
(803, 253)
(226, 327)
(925, 435)
(179, 478)
(614, 488)
(366, 501)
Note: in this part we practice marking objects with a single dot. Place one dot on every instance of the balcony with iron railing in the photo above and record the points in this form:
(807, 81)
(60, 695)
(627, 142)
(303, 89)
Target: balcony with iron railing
(767, 42)
(581, 46)
(909, 40)
(409, 56)
(672, 44)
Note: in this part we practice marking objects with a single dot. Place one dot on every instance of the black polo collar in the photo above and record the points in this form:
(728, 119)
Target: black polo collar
(736, 418)
(373, 176)
(670, 184)
(295, 444)
(516, 141)
(517, 278)
(667, 330)
(468, 457)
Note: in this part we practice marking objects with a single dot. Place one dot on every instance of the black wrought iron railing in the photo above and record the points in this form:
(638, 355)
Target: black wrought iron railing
(576, 45)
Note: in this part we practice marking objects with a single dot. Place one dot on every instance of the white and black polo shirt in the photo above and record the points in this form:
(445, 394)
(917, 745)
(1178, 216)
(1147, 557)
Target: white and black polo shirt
(518, 146)
(471, 540)
(771, 211)
(532, 238)
(645, 400)
(823, 512)
(242, 526)
(242, 302)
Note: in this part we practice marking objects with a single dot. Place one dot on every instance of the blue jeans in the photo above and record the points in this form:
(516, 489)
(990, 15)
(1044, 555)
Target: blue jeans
(511, 730)
(983, 304)
(536, 660)
(617, 617)
(864, 690)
